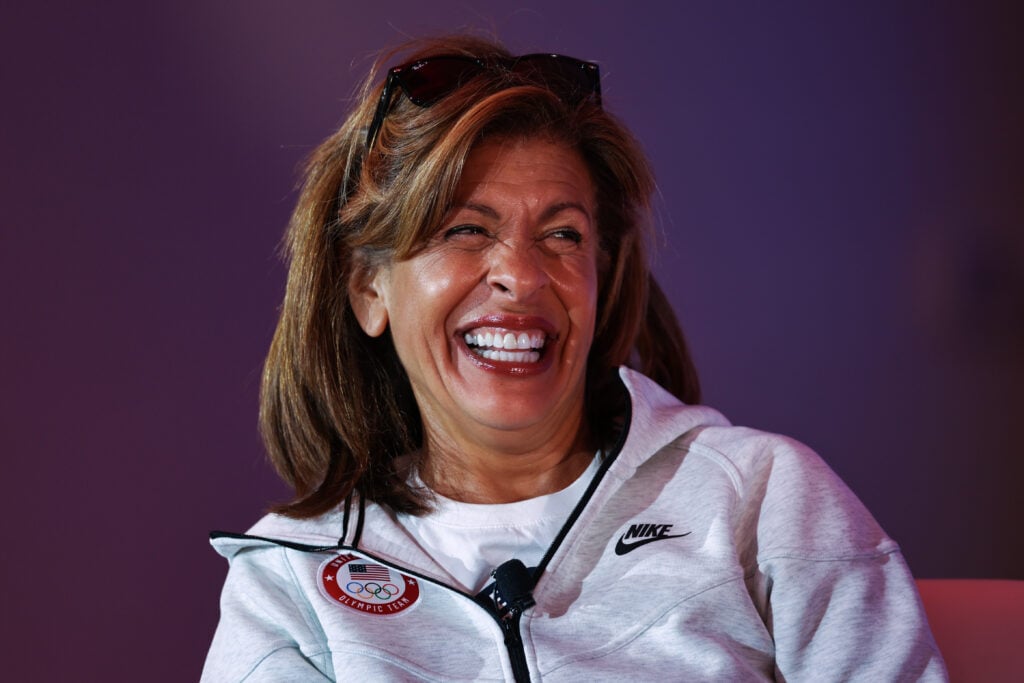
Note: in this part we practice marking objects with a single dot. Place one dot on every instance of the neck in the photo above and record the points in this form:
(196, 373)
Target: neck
(474, 473)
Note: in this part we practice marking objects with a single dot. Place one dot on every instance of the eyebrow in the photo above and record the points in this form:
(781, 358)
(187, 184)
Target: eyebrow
(548, 213)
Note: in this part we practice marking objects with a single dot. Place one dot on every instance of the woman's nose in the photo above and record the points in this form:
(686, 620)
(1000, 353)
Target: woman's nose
(517, 270)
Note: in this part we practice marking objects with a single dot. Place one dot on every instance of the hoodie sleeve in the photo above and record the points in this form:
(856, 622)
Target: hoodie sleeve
(849, 620)
(266, 630)
(834, 590)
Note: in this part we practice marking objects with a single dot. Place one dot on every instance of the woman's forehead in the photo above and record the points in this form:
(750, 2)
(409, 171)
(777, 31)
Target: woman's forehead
(552, 175)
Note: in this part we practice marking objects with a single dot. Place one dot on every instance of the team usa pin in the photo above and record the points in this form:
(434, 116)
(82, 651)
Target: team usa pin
(366, 586)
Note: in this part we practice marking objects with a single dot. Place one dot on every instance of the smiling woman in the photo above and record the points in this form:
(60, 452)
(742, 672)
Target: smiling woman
(484, 402)
(416, 199)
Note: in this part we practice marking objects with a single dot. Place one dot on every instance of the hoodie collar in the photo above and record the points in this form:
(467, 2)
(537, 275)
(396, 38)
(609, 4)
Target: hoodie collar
(657, 418)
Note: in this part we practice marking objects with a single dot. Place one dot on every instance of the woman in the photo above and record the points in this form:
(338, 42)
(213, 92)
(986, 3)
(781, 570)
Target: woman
(484, 491)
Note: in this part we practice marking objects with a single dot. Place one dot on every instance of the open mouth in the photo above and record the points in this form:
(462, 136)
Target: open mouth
(508, 346)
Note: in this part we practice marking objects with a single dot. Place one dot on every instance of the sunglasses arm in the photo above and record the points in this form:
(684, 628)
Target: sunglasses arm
(382, 109)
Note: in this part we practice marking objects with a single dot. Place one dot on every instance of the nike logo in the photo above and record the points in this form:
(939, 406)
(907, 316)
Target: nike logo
(646, 533)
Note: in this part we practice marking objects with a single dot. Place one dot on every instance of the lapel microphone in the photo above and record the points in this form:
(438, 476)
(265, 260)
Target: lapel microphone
(513, 588)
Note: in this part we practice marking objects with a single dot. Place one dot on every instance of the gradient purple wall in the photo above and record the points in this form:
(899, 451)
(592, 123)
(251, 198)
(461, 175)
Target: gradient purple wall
(841, 203)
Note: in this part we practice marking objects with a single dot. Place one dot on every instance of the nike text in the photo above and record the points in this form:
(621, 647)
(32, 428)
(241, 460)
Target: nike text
(645, 533)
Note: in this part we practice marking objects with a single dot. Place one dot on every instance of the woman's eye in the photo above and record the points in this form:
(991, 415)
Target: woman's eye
(564, 237)
(569, 234)
(464, 231)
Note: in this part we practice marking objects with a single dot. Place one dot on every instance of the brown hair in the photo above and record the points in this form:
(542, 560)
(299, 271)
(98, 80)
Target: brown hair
(336, 406)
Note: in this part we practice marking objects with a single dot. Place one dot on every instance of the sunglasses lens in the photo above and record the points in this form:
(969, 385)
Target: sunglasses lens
(571, 79)
(428, 81)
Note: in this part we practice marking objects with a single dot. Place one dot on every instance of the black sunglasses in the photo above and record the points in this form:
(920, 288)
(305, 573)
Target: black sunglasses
(425, 81)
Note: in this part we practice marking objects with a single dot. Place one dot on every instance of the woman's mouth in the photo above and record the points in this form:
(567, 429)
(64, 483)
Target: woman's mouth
(504, 345)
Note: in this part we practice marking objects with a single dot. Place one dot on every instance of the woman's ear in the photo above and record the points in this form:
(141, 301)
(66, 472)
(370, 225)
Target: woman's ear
(366, 296)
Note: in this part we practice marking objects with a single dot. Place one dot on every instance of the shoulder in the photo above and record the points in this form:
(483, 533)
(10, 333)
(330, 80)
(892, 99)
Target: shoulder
(784, 497)
(760, 456)
(277, 531)
(660, 421)
(790, 498)
(267, 623)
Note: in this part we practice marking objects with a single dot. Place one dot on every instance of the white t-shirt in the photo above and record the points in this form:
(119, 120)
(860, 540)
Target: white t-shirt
(470, 539)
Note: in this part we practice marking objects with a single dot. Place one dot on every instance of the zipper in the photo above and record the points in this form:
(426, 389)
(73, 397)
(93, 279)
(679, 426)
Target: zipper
(514, 645)
(513, 595)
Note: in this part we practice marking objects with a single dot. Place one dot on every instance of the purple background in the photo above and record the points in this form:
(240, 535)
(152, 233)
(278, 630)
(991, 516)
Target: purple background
(840, 198)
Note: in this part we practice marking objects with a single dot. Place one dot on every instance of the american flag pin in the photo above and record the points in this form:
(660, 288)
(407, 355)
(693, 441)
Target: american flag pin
(366, 586)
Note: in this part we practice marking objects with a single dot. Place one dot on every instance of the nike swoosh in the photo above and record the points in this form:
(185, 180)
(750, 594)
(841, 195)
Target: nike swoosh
(623, 548)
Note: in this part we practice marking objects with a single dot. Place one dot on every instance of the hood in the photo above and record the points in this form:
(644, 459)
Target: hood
(657, 418)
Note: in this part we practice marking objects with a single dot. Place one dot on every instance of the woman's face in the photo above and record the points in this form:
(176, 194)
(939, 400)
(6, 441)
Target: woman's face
(494, 318)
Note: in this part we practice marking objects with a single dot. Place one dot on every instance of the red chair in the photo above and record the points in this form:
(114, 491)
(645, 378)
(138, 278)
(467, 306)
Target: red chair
(979, 627)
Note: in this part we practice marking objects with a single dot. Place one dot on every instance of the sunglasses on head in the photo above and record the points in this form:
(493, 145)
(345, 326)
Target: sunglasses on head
(425, 81)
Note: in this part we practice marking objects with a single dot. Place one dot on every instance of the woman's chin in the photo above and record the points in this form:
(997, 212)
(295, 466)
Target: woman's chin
(507, 400)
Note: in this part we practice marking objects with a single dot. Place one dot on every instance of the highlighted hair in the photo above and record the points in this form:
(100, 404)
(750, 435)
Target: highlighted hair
(336, 408)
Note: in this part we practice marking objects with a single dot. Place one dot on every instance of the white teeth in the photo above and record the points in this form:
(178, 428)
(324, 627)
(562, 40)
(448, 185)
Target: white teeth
(511, 347)
(509, 340)
(510, 356)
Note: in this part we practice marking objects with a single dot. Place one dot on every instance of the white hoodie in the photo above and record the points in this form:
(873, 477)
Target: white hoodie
(700, 552)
